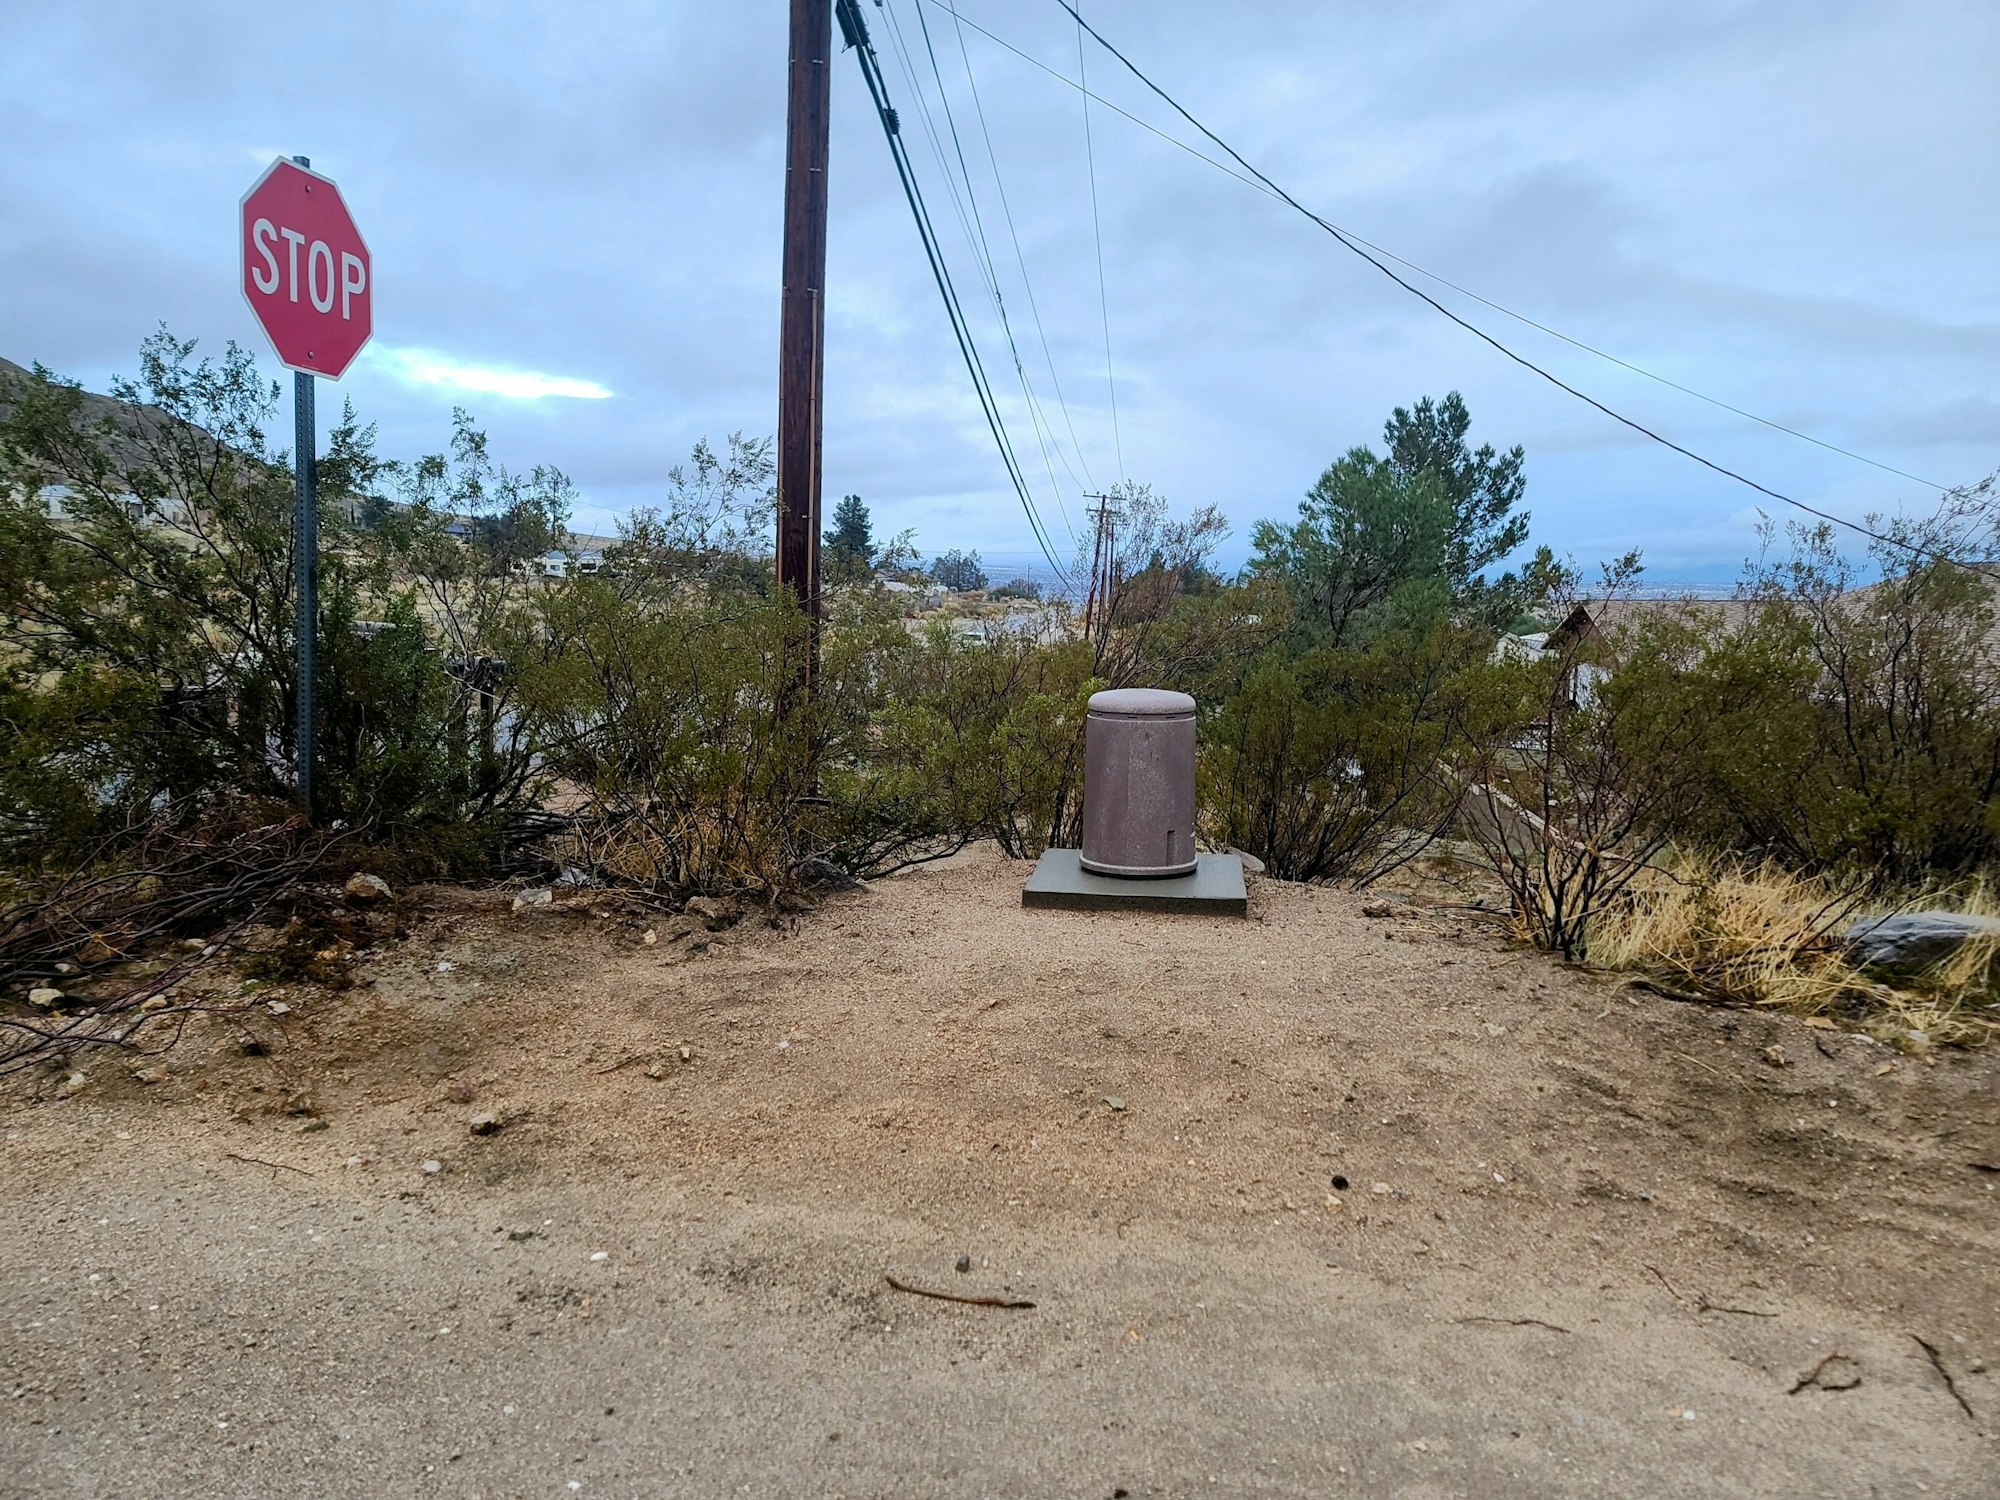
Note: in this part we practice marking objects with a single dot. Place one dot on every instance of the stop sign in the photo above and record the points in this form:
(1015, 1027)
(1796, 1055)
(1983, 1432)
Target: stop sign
(306, 271)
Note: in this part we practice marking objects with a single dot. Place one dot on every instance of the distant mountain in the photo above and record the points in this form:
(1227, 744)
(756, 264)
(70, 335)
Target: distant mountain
(126, 451)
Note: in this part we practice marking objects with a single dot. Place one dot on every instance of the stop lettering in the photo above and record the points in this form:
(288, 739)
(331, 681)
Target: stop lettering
(306, 271)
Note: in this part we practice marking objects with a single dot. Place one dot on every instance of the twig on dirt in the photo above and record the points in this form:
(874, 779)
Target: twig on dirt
(1660, 1276)
(1984, 1166)
(1700, 1300)
(919, 1291)
(624, 1062)
(1811, 1379)
(1937, 1363)
(1517, 1323)
(1686, 997)
(1705, 1067)
(1702, 1304)
(260, 1162)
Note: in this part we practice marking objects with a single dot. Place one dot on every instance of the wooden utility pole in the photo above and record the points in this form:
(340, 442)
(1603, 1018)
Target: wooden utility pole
(803, 318)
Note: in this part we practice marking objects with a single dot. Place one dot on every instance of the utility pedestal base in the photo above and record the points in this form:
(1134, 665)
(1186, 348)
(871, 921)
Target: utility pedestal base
(1060, 880)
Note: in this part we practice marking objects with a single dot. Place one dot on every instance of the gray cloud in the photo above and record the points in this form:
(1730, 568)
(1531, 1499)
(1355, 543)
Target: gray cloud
(1788, 204)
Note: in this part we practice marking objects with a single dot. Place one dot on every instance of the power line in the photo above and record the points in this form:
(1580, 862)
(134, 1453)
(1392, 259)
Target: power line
(1443, 281)
(856, 32)
(1044, 432)
(975, 237)
(1021, 259)
(1351, 244)
(1097, 232)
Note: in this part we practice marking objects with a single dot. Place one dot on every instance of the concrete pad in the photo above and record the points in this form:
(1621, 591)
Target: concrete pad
(1060, 880)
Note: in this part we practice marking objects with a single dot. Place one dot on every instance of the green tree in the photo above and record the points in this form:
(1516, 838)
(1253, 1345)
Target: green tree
(850, 541)
(1402, 540)
(959, 571)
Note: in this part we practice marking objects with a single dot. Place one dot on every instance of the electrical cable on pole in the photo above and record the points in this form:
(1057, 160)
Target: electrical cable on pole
(855, 31)
(1097, 232)
(1043, 432)
(1021, 259)
(1429, 275)
(1349, 243)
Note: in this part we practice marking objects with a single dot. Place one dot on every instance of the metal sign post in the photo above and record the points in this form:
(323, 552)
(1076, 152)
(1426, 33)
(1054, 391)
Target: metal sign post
(305, 561)
(309, 279)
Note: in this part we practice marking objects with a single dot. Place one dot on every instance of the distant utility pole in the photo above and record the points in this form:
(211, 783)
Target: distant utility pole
(803, 317)
(1103, 549)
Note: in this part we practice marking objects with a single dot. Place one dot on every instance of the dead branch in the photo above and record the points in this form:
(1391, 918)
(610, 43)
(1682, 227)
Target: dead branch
(259, 1161)
(1516, 1323)
(1937, 1363)
(919, 1291)
(1811, 1380)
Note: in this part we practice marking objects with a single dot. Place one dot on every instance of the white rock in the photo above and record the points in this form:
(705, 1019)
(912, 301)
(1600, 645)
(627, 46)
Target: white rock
(600, 1255)
(43, 996)
(539, 895)
(433, 1166)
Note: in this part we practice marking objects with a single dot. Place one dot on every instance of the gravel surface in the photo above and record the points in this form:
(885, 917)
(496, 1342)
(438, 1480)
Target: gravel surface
(1583, 1241)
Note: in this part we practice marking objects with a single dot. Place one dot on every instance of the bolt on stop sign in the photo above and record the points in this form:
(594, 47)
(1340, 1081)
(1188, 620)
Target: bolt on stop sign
(306, 271)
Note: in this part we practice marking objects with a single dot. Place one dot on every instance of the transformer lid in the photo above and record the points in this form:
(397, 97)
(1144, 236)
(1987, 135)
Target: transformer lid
(1141, 703)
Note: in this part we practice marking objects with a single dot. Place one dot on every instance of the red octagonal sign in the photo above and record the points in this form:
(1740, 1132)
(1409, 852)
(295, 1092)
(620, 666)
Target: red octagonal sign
(306, 271)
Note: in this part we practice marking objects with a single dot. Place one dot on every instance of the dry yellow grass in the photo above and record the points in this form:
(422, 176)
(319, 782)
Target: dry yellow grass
(1763, 934)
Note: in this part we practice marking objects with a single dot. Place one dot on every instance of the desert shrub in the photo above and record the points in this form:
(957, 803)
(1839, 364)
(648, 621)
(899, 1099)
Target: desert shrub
(1600, 766)
(1857, 728)
(1333, 764)
(148, 647)
(987, 737)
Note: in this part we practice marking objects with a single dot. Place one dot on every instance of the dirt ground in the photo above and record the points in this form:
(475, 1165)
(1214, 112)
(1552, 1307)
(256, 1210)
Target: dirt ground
(1315, 1203)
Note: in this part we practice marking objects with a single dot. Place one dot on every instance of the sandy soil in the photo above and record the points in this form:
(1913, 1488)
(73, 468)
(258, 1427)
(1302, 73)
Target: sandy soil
(1589, 1242)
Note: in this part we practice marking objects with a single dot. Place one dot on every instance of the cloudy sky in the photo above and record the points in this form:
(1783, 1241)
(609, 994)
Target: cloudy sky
(574, 212)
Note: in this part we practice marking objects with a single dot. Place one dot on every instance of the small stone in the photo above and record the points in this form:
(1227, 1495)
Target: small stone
(74, 1083)
(963, 1264)
(445, 966)
(650, 938)
(313, 1126)
(365, 890)
(1774, 1055)
(96, 951)
(278, 1008)
(483, 1124)
(1378, 909)
(1381, 1190)
(43, 996)
(600, 1255)
(1975, 1366)
(433, 1166)
(687, 1054)
(1494, 1028)
(150, 1075)
(539, 895)
(1117, 1104)
(152, 1003)
(654, 1070)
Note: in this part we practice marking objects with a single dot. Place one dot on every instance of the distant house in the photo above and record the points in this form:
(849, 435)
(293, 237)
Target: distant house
(1587, 639)
(556, 564)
